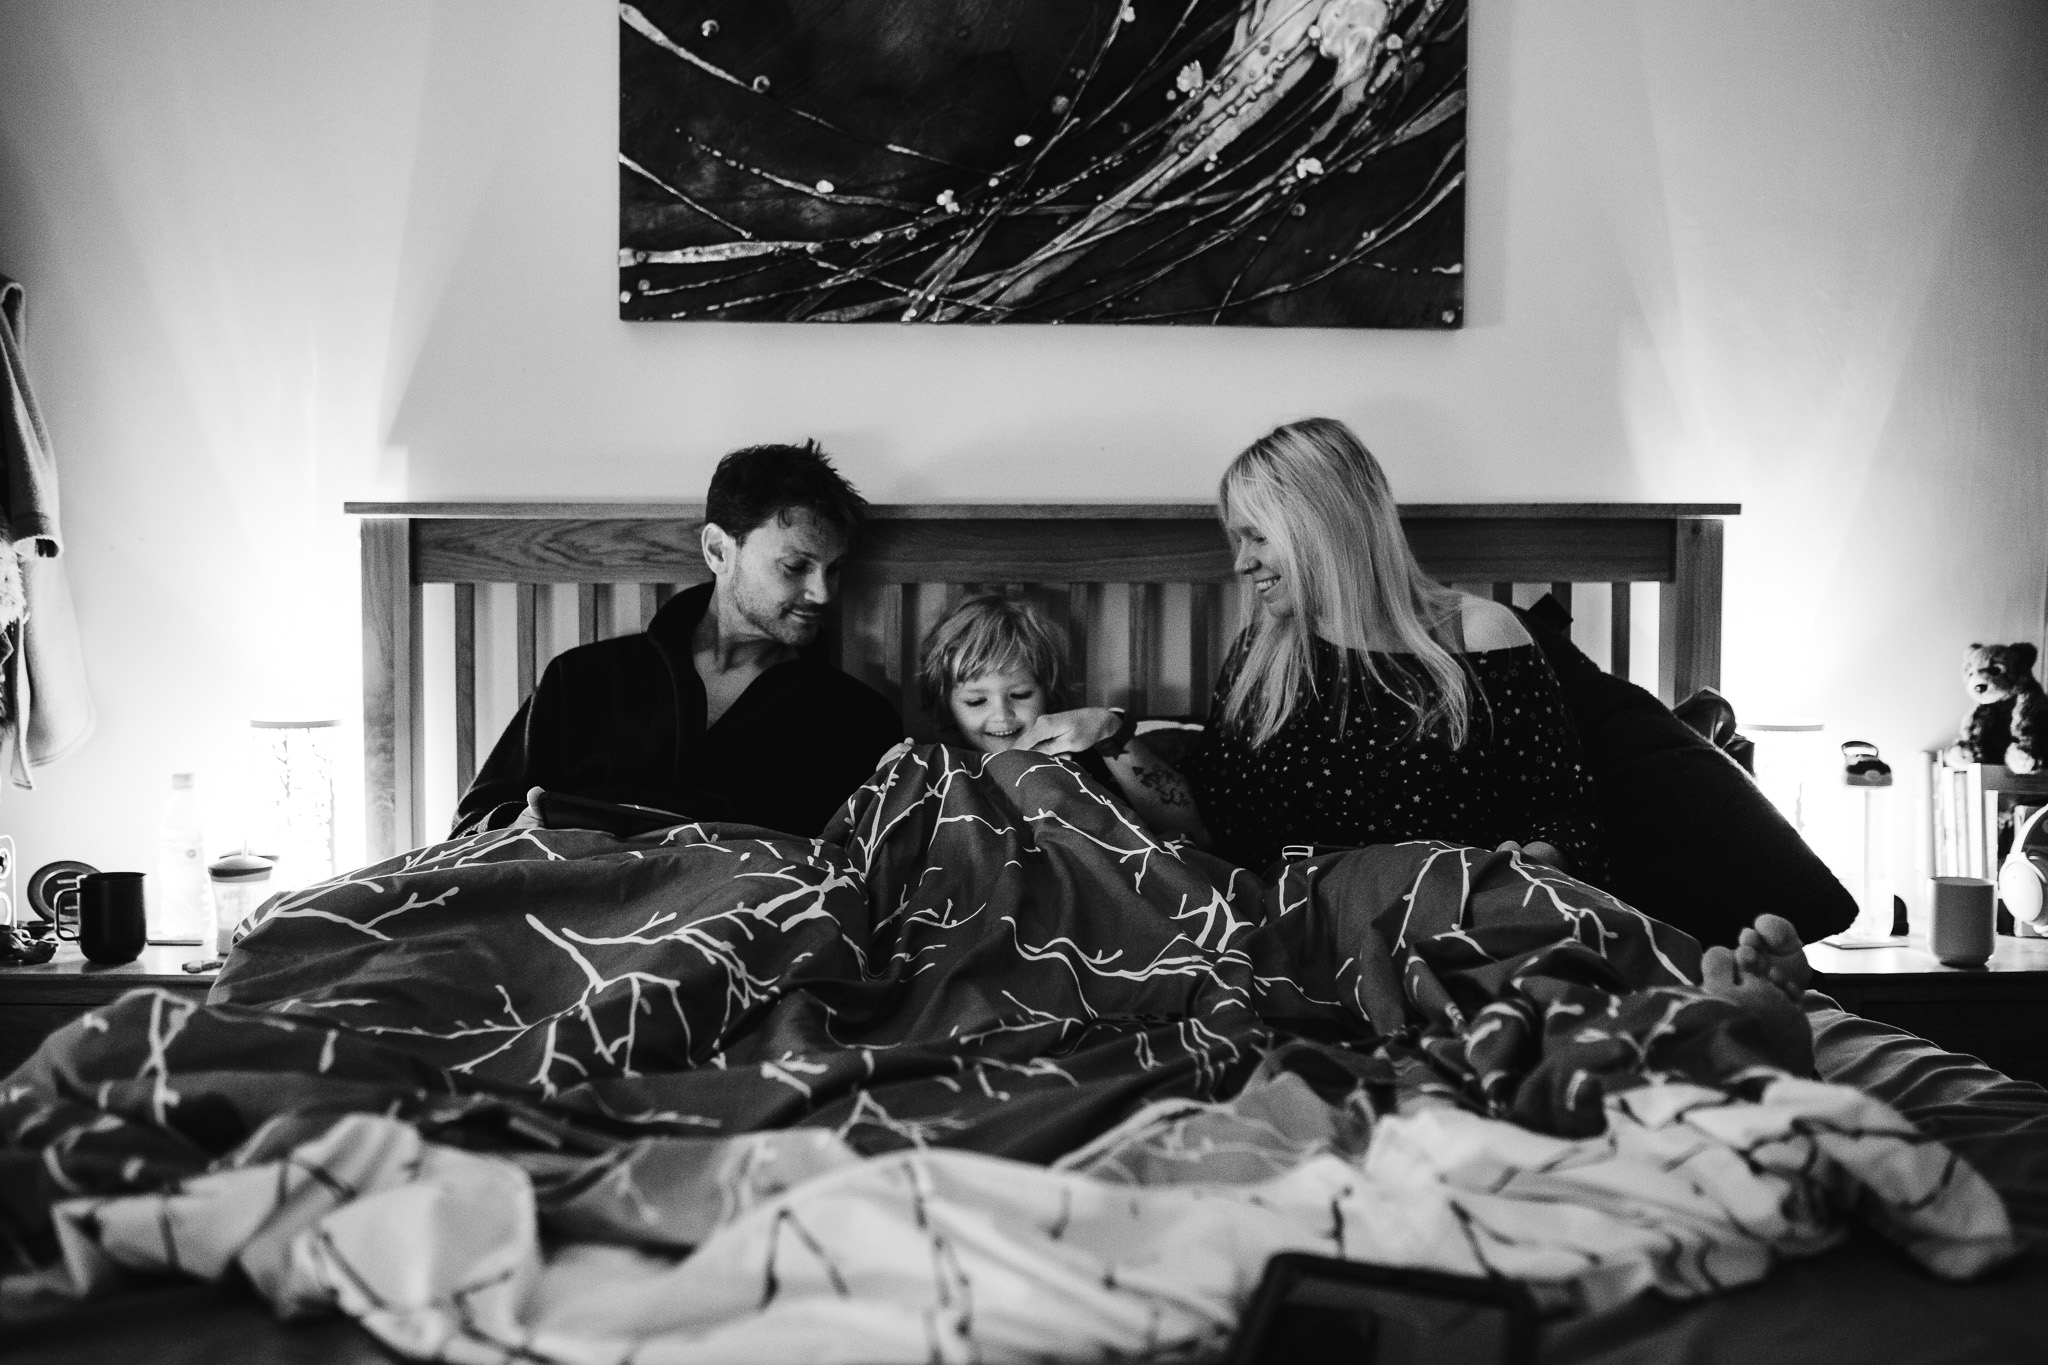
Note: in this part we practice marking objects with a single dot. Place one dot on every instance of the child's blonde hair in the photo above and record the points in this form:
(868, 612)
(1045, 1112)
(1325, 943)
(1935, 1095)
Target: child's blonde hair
(986, 633)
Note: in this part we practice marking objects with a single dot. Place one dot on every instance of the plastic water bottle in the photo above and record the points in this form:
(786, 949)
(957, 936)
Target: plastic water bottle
(180, 911)
(1874, 886)
(1869, 779)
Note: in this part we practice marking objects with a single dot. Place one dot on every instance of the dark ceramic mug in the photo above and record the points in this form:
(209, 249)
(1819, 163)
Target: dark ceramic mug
(111, 924)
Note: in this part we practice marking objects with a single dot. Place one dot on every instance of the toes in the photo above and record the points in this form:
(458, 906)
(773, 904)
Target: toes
(1718, 971)
(1777, 931)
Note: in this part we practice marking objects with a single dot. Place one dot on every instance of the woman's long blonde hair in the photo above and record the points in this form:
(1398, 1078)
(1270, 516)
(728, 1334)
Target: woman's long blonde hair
(1322, 502)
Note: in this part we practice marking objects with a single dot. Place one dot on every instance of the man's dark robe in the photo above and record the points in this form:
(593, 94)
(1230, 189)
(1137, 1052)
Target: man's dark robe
(623, 720)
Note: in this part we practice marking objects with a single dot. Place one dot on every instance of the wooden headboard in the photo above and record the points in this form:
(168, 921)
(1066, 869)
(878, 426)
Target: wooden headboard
(1166, 566)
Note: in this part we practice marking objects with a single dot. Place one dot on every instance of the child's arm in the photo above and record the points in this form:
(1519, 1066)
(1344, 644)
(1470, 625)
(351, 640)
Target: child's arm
(1158, 793)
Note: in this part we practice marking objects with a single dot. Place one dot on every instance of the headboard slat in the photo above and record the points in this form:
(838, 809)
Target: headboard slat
(465, 683)
(586, 613)
(1080, 613)
(594, 619)
(894, 617)
(1622, 598)
(528, 645)
(907, 608)
(1202, 663)
(1142, 609)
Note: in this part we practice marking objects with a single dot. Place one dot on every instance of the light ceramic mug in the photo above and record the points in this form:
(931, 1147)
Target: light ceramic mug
(1965, 914)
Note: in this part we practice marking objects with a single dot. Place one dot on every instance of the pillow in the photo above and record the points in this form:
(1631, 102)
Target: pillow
(1690, 839)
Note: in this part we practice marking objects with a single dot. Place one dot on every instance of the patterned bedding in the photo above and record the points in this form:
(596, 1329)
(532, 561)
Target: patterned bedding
(986, 1073)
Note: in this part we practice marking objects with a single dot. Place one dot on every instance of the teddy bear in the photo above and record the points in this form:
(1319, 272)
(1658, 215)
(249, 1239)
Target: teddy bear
(2010, 722)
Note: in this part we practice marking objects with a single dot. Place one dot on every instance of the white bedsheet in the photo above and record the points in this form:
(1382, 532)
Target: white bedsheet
(807, 1252)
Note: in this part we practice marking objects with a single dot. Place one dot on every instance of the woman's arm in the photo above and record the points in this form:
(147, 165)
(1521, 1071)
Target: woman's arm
(1161, 796)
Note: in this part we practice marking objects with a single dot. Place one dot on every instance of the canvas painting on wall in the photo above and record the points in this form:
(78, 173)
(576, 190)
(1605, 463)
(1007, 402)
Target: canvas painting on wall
(1292, 163)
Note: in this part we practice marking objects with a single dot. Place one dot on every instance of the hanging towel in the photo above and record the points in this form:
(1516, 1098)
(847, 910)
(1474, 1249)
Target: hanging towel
(45, 704)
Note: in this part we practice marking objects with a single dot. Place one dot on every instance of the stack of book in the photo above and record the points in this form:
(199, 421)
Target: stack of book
(1972, 812)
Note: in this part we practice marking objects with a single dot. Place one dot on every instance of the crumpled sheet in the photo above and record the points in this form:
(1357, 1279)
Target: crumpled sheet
(1148, 1242)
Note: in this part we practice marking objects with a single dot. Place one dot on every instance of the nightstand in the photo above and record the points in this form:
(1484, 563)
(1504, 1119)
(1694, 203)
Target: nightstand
(37, 1001)
(1997, 1013)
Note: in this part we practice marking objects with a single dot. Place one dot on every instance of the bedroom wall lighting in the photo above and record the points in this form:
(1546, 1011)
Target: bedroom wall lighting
(293, 806)
(1795, 769)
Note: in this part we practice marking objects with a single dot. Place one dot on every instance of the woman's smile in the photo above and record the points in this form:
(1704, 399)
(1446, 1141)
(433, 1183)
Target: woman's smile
(1268, 584)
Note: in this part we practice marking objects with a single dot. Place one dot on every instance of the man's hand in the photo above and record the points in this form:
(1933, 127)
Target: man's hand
(903, 746)
(1069, 732)
(530, 818)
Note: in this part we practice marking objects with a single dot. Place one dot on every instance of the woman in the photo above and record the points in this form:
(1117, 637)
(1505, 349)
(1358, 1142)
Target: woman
(1364, 703)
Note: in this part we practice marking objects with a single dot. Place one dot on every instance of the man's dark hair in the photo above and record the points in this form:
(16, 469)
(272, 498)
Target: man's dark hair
(751, 486)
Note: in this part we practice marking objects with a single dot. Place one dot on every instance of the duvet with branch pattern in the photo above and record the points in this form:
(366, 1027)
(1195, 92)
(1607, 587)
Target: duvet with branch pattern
(986, 953)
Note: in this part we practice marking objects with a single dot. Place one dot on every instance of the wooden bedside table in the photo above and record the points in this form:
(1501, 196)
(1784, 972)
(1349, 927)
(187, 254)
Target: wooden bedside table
(37, 1001)
(1997, 1013)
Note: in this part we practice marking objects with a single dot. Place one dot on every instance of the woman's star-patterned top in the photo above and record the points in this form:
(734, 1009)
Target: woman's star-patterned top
(1518, 777)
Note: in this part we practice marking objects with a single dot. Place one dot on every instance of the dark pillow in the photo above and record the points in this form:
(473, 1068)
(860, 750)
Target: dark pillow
(1690, 839)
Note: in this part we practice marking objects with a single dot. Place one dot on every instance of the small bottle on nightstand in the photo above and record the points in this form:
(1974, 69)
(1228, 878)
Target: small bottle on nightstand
(179, 911)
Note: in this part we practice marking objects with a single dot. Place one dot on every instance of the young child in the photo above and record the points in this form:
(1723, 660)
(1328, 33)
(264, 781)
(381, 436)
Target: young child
(995, 666)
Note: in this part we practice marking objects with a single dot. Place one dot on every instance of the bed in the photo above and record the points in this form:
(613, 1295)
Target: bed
(1144, 590)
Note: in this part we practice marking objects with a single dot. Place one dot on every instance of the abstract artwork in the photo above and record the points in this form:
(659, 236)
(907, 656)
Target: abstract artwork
(1294, 163)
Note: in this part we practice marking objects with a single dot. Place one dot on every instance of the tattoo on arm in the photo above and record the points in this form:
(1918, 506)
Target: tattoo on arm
(1166, 784)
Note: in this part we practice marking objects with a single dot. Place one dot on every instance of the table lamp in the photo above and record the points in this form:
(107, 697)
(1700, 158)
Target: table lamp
(1794, 768)
(293, 777)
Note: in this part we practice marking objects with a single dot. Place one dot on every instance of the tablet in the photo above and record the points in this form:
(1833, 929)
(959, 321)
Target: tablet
(1316, 1308)
(559, 810)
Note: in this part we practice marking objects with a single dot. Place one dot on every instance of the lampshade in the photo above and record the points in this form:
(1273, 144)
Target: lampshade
(293, 796)
(1794, 767)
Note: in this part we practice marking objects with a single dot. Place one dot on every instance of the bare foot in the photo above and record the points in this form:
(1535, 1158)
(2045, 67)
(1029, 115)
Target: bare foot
(1771, 949)
(1787, 1035)
(1536, 851)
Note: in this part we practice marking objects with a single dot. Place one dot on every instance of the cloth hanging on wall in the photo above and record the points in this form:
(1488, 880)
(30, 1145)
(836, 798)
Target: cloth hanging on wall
(45, 703)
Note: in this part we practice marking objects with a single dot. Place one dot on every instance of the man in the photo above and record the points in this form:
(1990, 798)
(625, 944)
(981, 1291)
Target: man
(722, 709)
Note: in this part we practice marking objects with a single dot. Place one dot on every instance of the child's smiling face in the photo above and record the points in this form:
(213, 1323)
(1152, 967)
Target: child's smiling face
(993, 709)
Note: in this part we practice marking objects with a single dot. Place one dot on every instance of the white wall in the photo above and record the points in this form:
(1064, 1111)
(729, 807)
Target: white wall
(1780, 252)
